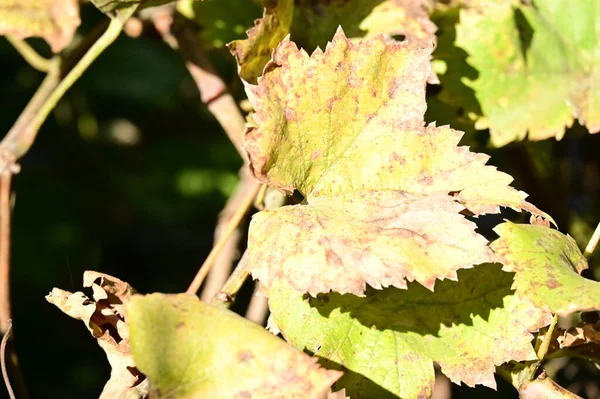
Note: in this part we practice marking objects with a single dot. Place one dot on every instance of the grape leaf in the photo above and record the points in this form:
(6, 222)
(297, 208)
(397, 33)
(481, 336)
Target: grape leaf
(189, 349)
(407, 18)
(548, 266)
(383, 193)
(252, 54)
(386, 343)
(455, 102)
(533, 60)
(54, 20)
(104, 316)
(582, 341)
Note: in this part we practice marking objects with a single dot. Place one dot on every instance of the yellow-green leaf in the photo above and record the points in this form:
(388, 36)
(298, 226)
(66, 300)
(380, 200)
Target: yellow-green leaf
(252, 54)
(548, 266)
(189, 349)
(386, 343)
(408, 18)
(537, 66)
(383, 192)
(54, 20)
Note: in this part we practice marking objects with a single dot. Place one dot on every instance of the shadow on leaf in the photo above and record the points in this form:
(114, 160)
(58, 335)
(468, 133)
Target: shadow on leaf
(452, 101)
(418, 310)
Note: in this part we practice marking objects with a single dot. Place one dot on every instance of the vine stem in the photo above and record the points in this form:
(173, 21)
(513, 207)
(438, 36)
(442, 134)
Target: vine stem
(233, 224)
(224, 298)
(5, 178)
(11, 393)
(20, 137)
(29, 54)
(589, 250)
(543, 347)
(108, 37)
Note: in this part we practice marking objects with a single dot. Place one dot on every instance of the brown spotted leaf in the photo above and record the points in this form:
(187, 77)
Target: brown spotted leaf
(388, 341)
(252, 54)
(189, 349)
(104, 317)
(383, 192)
(536, 65)
(548, 266)
(582, 341)
(53, 20)
(408, 18)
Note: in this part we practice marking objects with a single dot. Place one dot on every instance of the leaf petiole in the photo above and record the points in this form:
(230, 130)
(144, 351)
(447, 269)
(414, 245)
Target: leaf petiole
(589, 249)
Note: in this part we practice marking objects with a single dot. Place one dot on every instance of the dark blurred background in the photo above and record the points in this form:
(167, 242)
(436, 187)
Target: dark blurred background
(127, 177)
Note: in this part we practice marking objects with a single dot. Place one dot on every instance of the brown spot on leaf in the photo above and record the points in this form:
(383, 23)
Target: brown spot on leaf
(245, 356)
(552, 284)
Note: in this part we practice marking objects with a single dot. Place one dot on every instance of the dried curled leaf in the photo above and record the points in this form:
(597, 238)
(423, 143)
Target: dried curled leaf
(189, 349)
(533, 60)
(386, 343)
(544, 387)
(383, 192)
(548, 266)
(104, 316)
(252, 54)
(54, 20)
(582, 341)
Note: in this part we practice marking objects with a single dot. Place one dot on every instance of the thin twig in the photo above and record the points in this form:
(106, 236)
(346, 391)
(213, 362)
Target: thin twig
(29, 54)
(11, 393)
(229, 254)
(108, 37)
(5, 177)
(543, 348)
(20, 137)
(179, 33)
(224, 298)
(589, 250)
(233, 224)
(258, 308)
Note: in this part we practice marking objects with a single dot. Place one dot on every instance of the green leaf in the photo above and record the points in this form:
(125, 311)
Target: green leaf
(537, 67)
(455, 102)
(383, 192)
(386, 343)
(54, 20)
(406, 18)
(548, 266)
(252, 54)
(189, 349)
